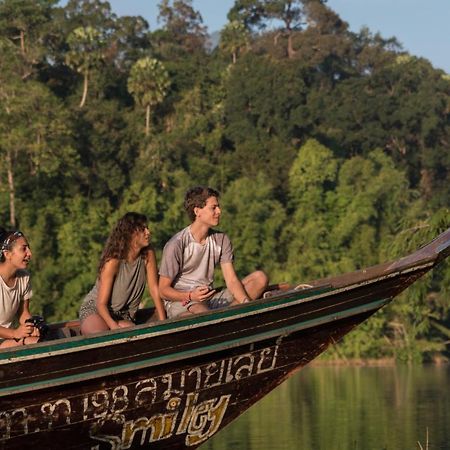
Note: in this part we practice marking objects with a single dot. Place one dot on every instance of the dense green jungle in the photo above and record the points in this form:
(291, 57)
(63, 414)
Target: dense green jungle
(330, 148)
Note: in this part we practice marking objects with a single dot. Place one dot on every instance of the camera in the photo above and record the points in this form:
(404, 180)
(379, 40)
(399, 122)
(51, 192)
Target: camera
(39, 323)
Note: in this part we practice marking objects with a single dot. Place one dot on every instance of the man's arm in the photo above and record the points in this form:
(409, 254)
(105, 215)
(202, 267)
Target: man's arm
(167, 292)
(233, 283)
(199, 294)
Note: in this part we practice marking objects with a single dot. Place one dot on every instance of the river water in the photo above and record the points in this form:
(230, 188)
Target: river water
(348, 408)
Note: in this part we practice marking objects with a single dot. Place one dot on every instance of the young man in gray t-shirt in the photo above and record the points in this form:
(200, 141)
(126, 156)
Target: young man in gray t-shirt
(189, 259)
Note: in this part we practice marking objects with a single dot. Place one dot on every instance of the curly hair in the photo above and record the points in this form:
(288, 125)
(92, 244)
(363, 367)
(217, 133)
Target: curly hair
(7, 239)
(119, 240)
(196, 197)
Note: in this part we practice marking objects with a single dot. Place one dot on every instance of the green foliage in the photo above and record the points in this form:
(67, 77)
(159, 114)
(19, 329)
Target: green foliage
(249, 12)
(234, 38)
(253, 218)
(307, 236)
(330, 148)
(148, 83)
(80, 241)
(85, 48)
(86, 45)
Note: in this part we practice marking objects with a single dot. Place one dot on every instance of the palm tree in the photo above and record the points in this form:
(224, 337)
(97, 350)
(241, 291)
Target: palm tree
(234, 38)
(148, 83)
(86, 52)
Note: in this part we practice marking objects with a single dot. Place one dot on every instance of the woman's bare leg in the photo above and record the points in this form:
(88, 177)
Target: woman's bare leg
(13, 343)
(93, 324)
(125, 323)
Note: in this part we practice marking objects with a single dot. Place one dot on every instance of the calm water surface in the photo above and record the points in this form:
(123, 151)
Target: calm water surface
(348, 408)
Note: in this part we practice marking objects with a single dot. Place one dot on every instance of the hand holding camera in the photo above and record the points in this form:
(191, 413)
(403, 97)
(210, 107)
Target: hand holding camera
(39, 324)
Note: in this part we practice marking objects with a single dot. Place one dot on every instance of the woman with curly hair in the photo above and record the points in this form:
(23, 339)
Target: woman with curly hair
(127, 261)
(15, 290)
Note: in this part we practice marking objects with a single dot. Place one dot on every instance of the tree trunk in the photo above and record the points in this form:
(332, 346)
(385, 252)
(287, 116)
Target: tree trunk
(147, 120)
(22, 42)
(275, 39)
(290, 48)
(12, 194)
(85, 89)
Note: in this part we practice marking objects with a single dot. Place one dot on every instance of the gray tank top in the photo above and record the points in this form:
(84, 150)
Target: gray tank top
(128, 287)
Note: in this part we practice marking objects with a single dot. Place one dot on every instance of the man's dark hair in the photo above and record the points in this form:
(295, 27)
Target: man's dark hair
(196, 197)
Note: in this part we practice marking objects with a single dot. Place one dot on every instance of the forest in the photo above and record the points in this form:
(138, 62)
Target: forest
(330, 148)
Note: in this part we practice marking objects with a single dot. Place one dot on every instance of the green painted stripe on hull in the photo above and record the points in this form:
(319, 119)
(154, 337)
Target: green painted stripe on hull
(195, 352)
(81, 343)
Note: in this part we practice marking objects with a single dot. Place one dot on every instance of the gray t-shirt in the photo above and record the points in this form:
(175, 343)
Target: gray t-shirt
(190, 264)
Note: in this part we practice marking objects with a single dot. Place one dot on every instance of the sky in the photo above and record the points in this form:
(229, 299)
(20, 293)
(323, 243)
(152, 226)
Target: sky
(421, 26)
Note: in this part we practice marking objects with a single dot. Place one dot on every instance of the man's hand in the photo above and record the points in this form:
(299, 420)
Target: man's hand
(202, 293)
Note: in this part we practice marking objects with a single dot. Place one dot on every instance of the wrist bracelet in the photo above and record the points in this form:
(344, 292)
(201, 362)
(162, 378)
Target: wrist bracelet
(189, 299)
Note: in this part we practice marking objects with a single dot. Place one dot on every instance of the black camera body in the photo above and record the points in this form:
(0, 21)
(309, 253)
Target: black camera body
(39, 323)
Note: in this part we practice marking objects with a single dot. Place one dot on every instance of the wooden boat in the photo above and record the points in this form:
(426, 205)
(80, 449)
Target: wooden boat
(176, 383)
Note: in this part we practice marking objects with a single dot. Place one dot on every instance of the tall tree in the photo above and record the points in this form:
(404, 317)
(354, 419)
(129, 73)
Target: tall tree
(25, 23)
(183, 24)
(34, 137)
(86, 53)
(129, 41)
(291, 13)
(234, 39)
(148, 83)
(251, 13)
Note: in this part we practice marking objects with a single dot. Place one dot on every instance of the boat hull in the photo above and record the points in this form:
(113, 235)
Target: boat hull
(171, 406)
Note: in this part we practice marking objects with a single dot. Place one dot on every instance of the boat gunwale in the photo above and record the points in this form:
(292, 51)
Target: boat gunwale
(189, 353)
(286, 299)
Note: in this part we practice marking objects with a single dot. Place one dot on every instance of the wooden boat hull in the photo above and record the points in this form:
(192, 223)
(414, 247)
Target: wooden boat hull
(171, 406)
(174, 384)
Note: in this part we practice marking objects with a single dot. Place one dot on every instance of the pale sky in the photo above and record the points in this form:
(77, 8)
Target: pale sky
(421, 26)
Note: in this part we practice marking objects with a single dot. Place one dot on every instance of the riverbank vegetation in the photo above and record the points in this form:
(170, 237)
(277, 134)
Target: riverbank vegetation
(330, 147)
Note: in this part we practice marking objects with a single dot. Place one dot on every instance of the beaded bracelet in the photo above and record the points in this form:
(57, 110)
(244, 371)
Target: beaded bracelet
(185, 302)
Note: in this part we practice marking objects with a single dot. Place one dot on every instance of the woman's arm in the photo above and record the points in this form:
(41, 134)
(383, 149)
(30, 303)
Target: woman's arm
(106, 282)
(24, 313)
(24, 329)
(152, 283)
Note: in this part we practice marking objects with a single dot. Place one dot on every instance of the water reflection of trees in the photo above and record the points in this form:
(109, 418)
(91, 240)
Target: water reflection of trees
(344, 408)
